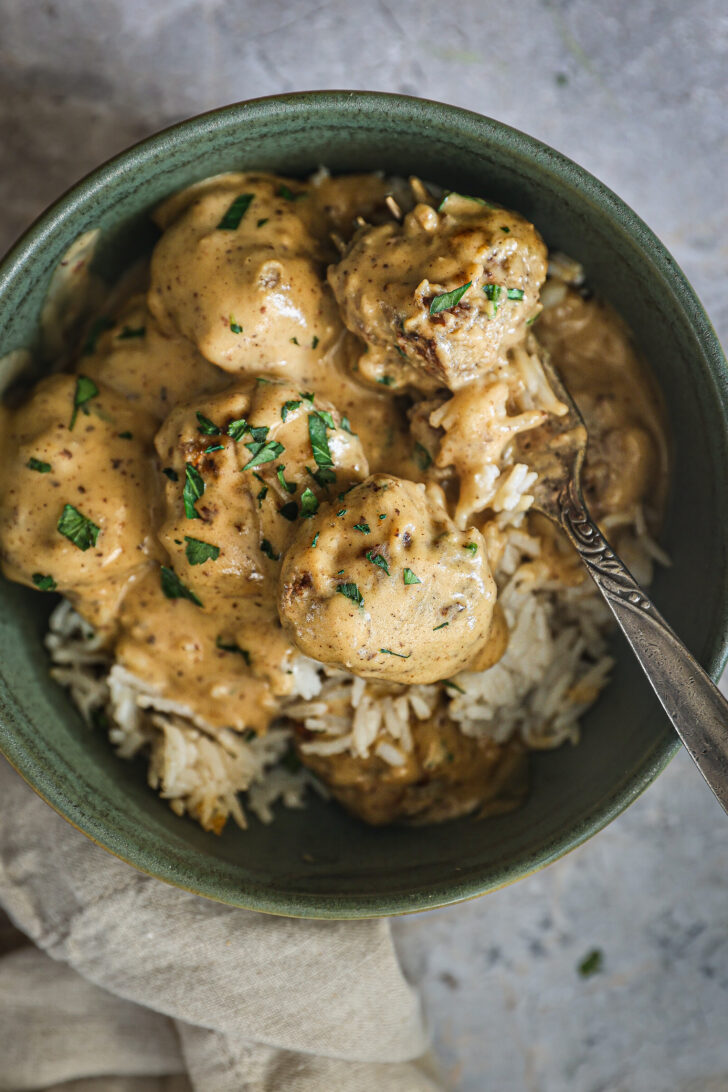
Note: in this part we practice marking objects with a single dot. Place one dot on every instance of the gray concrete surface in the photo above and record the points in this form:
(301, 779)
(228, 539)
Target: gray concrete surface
(636, 92)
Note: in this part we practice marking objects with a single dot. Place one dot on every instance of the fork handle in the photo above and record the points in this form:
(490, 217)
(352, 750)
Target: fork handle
(697, 709)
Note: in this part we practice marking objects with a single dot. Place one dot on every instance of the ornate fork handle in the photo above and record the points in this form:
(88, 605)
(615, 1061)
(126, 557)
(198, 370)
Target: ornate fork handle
(697, 709)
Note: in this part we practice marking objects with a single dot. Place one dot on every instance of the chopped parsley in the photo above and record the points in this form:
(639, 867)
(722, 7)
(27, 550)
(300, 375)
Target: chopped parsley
(77, 528)
(493, 293)
(327, 418)
(289, 511)
(453, 685)
(263, 492)
(410, 578)
(377, 559)
(235, 327)
(193, 490)
(39, 465)
(506, 229)
(173, 587)
(43, 583)
(294, 341)
(446, 300)
(309, 503)
(530, 321)
(85, 390)
(346, 425)
(213, 447)
(130, 332)
(237, 429)
(263, 452)
(322, 477)
(363, 527)
(289, 406)
(269, 551)
(351, 592)
(235, 213)
(319, 441)
(170, 473)
(263, 221)
(206, 426)
(385, 380)
(315, 540)
(288, 194)
(441, 626)
(308, 396)
(315, 342)
(232, 647)
(382, 515)
(126, 435)
(422, 456)
(342, 512)
(515, 293)
(592, 963)
(289, 487)
(472, 546)
(259, 433)
(95, 330)
(198, 552)
(389, 652)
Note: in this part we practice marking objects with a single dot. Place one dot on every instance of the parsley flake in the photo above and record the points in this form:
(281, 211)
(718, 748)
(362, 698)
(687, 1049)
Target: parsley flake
(263, 452)
(85, 390)
(39, 465)
(385, 380)
(446, 300)
(506, 229)
(235, 327)
(382, 515)
(377, 559)
(493, 293)
(453, 685)
(472, 546)
(346, 425)
(289, 511)
(198, 552)
(206, 426)
(441, 626)
(351, 592)
(363, 527)
(319, 441)
(95, 330)
(342, 512)
(515, 293)
(289, 487)
(125, 435)
(173, 587)
(410, 578)
(390, 652)
(232, 647)
(269, 551)
(193, 490)
(130, 332)
(263, 221)
(170, 473)
(43, 583)
(294, 341)
(213, 447)
(235, 213)
(77, 528)
(591, 963)
(315, 342)
(315, 540)
(287, 193)
(309, 503)
(237, 429)
(289, 406)
(308, 396)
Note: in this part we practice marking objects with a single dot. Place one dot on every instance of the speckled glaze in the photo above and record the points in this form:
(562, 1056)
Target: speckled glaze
(319, 862)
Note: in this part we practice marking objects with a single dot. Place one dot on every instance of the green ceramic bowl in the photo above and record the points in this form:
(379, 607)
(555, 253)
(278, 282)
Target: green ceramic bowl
(319, 862)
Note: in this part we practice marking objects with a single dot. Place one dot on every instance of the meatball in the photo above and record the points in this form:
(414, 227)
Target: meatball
(395, 288)
(383, 584)
(152, 369)
(445, 775)
(77, 507)
(241, 473)
(239, 274)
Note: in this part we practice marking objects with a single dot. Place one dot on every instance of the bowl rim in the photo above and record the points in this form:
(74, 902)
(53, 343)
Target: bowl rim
(349, 103)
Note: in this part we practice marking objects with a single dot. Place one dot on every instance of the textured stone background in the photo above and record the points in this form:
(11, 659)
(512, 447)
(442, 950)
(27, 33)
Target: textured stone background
(635, 91)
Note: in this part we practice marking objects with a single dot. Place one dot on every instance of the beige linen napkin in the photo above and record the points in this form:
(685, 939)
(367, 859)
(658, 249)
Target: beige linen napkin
(135, 985)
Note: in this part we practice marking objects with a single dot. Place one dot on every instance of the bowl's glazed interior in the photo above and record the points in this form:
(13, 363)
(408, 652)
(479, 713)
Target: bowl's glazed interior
(319, 862)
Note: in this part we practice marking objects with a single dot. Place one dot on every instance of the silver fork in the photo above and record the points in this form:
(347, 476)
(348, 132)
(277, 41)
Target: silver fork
(697, 709)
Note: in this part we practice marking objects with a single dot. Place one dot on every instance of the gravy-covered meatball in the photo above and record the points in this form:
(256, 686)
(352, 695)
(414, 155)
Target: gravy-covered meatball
(383, 584)
(239, 274)
(242, 470)
(442, 295)
(78, 494)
